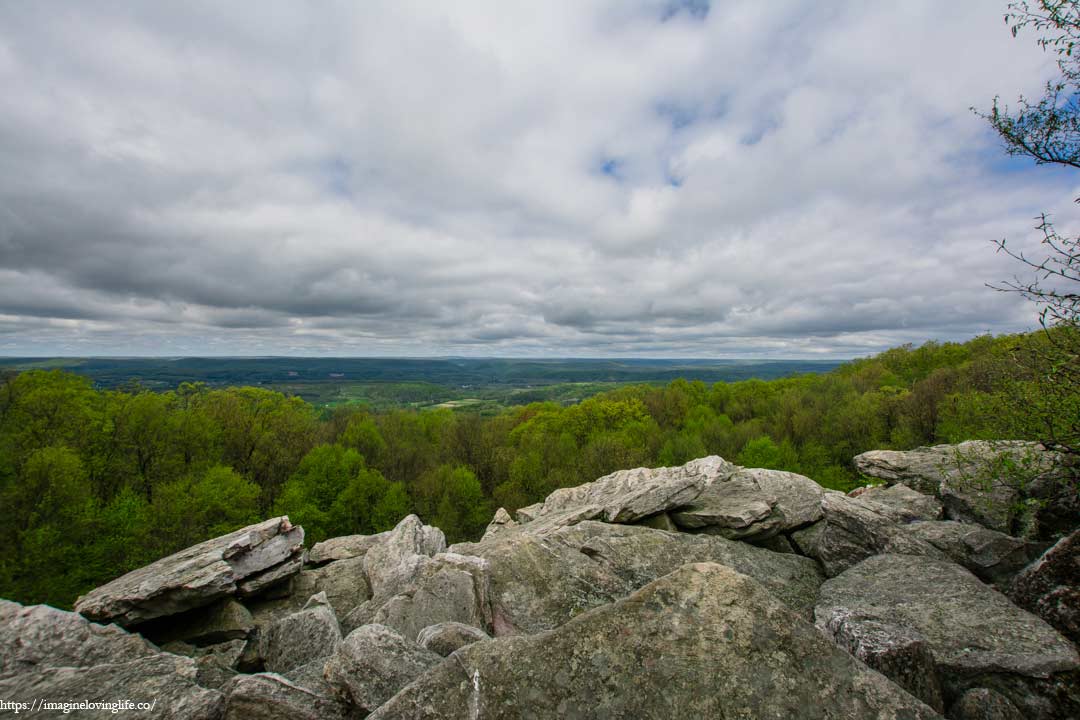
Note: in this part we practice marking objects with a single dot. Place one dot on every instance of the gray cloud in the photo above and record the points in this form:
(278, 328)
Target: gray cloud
(585, 178)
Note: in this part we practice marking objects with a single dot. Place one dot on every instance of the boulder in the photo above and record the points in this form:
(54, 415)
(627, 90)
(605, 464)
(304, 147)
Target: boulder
(343, 581)
(703, 641)
(629, 495)
(447, 588)
(984, 704)
(62, 657)
(269, 696)
(979, 481)
(343, 548)
(1050, 587)
(994, 557)
(198, 575)
(373, 663)
(302, 637)
(900, 502)
(446, 637)
(215, 665)
(753, 504)
(392, 564)
(897, 652)
(852, 531)
(501, 520)
(978, 638)
(541, 580)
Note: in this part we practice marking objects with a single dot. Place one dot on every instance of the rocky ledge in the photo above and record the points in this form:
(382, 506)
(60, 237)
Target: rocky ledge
(707, 590)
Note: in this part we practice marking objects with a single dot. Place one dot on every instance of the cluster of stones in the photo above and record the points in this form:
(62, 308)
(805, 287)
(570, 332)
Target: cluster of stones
(707, 590)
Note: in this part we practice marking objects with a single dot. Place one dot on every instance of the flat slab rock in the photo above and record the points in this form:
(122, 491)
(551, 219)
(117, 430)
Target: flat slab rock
(993, 556)
(62, 657)
(629, 495)
(900, 502)
(974, 632)
(241, 561)
(753, 504)
(703, 641)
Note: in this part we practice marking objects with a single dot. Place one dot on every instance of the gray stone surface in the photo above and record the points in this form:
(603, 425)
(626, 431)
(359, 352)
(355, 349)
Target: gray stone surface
(541, 580)
(501, 520)
(852, 531)
(900, 502)
(1050, 587)
(196, 576)
(978, 638)
(897, 652)
(343, 548)
(993, 556)
(753, 504)
(449, 587)
(984, 704)
(373, 663)
(60, 656)
(269, 696)
(344, 582)
(302, 637)
(446, 637)
(393, 563)
(701, 642)
(629, 495)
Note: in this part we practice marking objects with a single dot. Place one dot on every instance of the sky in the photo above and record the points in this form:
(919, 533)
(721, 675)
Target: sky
(579, 178)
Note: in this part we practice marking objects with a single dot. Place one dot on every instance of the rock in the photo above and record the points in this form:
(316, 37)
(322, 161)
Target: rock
(984, 704)
(703, 641)
(269, 580)
(978, 638)
(541, 580)
(344, 548)
(218, 622)
(753, 504)
(501, 520)
(978, 481)
(1050, 587)
(994, 557)
(899, 502)
(446, 637)
(852, 531)
(447, 588)
(268, 696)
(343, 581)
(62, 657)
(392, 564)
(373, 663)
(215, 665)
(196, 576)
(897, 652)
(302, 637)
(629, 495)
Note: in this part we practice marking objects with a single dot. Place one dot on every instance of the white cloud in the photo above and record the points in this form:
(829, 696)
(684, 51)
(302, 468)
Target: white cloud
(408, 178)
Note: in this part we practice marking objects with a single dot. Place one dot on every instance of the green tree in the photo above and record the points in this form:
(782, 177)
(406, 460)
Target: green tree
(1048, 132)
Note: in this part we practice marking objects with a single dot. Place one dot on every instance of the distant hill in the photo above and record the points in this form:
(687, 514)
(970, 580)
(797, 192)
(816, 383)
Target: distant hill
(167, 373)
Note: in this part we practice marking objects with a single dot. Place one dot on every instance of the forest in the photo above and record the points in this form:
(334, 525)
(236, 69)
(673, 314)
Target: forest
(95, 482)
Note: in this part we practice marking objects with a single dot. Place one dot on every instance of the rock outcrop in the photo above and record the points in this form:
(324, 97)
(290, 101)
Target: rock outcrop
(664, 593)
(243, 562)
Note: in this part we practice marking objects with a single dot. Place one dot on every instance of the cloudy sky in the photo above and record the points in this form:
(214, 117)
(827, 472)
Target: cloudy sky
(582, 178)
